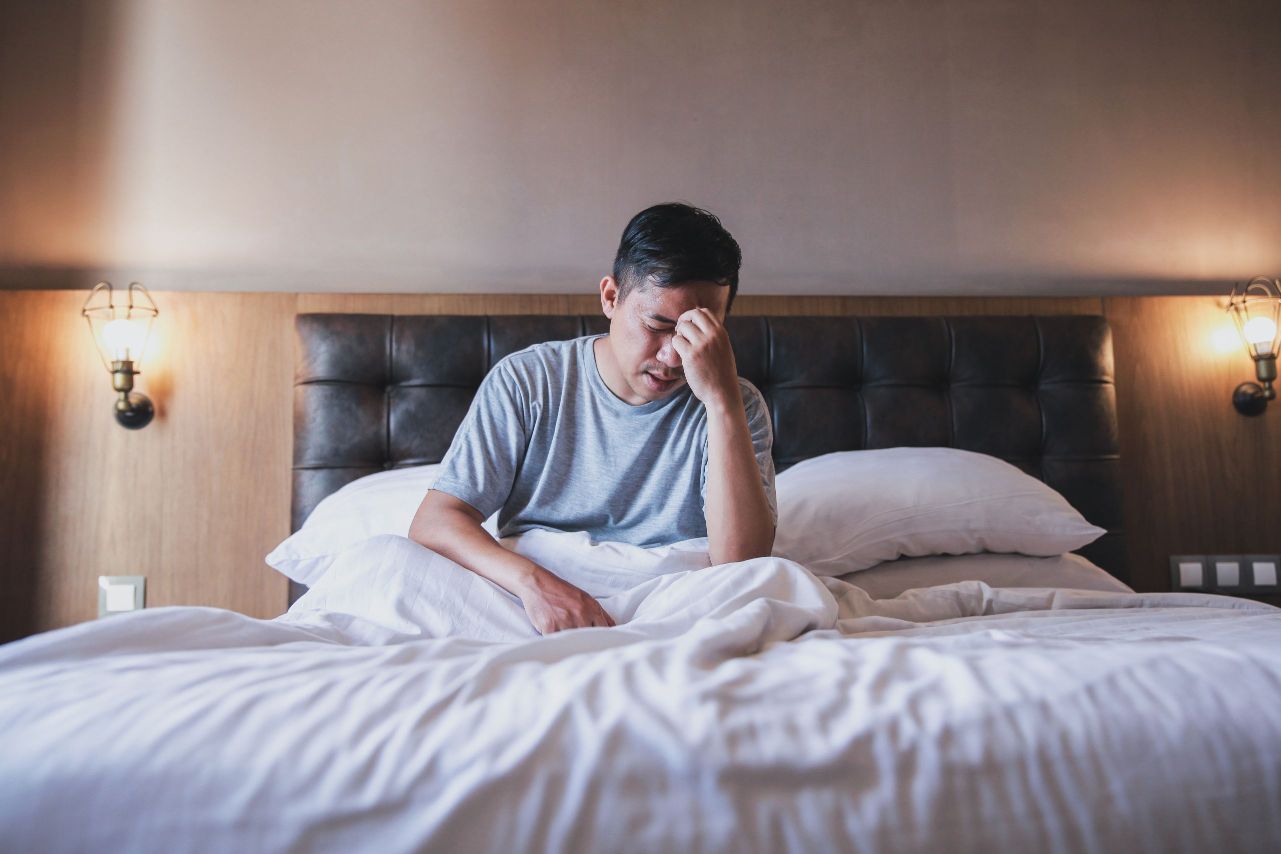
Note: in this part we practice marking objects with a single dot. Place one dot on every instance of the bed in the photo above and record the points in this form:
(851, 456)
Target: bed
(375, 392)
(400, 705)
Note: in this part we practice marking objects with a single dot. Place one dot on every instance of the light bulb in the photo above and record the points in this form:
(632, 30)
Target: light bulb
(124, 339)
(1260, 330)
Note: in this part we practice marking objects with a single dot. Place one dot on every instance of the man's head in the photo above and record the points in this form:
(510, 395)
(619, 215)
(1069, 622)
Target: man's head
(673, 257)
(672, 244)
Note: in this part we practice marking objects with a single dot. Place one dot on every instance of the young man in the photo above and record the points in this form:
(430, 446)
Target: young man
(645, 435)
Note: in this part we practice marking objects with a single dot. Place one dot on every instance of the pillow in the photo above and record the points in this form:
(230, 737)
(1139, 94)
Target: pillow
(851, 510)
(381, 503)
(889, 579)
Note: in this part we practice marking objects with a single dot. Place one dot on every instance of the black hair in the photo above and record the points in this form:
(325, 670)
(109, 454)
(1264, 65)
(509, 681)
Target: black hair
(670, 244)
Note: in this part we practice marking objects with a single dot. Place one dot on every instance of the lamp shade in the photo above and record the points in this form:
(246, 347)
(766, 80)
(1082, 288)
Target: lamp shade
(120, 328)
(1256, 309)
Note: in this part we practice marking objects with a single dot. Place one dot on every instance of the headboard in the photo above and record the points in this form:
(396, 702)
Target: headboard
(374, 392)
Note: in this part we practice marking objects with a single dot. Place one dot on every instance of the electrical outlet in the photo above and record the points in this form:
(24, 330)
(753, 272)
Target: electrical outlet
(120, 593)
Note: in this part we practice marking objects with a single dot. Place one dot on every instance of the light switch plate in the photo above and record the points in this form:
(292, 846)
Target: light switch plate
(1227, 572)
(1264, 572)
(1232, 575)
(120, 593)
(1190, 572)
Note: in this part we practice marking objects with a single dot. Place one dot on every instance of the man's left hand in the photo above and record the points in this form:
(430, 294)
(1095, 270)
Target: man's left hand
(707, 358)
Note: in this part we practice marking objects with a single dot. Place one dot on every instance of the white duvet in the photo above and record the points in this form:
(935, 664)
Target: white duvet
(405, 704)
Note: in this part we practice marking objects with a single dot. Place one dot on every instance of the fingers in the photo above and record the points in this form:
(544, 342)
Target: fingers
(682, 345)
(598, 618)
(594, 616)
(700, 327)
(700, 319)
(588, 618)
(692, 326)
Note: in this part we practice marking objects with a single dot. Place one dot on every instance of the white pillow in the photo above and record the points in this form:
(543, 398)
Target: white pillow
(605, 568)
(889, 579)
(851, 510)
(382, 503)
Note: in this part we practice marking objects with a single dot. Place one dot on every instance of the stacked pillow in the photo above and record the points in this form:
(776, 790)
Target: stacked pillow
(852, 510)
(889, 579)
(839, 513)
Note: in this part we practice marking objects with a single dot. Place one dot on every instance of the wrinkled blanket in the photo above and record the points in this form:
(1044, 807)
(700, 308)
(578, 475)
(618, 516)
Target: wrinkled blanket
(405, 704)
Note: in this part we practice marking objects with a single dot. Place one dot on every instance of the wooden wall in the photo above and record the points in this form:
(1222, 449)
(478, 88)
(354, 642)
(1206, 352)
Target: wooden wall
(191, 501)
(195, 500)
(1200, 478)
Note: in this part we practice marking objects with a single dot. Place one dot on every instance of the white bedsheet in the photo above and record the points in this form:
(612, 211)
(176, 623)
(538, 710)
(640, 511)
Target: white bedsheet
(746, 707)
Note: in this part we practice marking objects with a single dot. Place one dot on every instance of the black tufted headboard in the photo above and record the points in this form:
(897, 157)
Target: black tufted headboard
(374, 392)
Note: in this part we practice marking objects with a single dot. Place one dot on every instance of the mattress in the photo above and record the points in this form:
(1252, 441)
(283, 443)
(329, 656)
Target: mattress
(401, 705)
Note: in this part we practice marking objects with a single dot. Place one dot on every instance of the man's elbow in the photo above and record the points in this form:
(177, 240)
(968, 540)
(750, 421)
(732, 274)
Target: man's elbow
(429, 526)
(762, 546)
(443, 522)
(424, 533)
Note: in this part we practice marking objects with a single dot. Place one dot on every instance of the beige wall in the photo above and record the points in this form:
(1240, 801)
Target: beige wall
(938, 146)
(197, 499)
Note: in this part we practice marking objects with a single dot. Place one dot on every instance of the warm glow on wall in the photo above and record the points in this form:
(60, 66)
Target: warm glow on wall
(1224, 338)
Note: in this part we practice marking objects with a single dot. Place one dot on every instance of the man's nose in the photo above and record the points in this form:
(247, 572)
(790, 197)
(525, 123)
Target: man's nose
(667, 354)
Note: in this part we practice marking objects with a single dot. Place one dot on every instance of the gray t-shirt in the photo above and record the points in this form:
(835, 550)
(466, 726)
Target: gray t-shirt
(550, 446)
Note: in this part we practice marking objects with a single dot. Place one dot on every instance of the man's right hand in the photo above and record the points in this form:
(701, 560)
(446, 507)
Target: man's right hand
(452, 528)
(553, 605)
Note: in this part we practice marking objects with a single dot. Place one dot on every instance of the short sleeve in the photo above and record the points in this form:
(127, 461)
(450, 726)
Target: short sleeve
(758, 424)
(481, 464)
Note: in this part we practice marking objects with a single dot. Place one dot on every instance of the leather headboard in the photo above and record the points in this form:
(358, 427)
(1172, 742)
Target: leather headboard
(374, 392)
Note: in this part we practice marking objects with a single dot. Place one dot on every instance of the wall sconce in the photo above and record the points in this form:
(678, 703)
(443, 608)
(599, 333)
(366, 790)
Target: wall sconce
(121, 332)
(1255, 311)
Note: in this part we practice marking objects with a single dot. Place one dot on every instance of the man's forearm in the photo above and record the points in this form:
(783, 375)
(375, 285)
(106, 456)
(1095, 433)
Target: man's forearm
(739, 524)
(452, 534)
(452, 528)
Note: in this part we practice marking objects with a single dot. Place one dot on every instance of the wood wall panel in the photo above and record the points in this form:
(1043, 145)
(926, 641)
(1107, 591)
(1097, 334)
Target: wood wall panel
(195, 500)
(34, 353)
(1200, 478)
(450, 303)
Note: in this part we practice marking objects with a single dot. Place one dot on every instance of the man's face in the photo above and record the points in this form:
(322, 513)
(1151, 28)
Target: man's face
(645, 366)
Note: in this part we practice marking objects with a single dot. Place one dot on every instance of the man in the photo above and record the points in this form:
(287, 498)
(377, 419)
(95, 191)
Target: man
(644, 435)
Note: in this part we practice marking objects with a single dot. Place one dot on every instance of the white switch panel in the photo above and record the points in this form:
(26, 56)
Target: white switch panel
(1227, 573)
(119, 597)
(1230, 575)
(1190, 574)
(120, 593)
(1265, 573)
